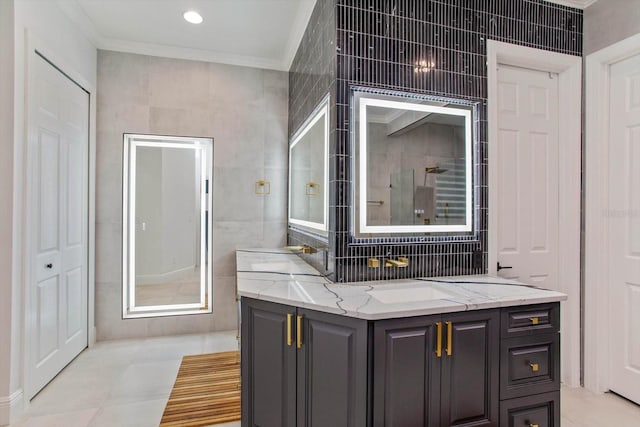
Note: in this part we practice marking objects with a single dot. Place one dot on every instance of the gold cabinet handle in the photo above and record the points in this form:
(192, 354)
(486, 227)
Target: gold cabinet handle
(299, 332)
(449, 348)
(534, 367)
(289, 329)
(533, 425)
(439, 339)
(534, 320)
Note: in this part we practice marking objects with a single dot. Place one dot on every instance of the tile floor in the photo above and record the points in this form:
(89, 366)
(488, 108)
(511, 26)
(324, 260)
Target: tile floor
(126, 384)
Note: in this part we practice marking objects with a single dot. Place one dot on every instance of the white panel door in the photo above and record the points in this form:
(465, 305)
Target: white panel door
(624, 228)
(527, 163)
(58, 209)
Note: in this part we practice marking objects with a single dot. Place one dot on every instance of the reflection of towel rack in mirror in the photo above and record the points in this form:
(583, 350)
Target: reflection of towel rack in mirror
(311, 188)
(375, 202)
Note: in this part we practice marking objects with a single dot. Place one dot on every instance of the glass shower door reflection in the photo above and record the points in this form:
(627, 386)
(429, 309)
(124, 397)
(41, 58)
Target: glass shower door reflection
(402, 204)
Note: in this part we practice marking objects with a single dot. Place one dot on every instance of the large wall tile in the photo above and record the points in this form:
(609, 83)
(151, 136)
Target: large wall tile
(234, 194)
(245, 111)
(122, 79)
(175, 83)
(179, 121)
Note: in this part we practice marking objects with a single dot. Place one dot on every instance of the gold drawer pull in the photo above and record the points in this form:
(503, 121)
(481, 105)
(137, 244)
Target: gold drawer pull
(438, 339)
(533, 425)
(289, 334)
(534, 320)
(299, 344)
(534, 367)
(449, 348)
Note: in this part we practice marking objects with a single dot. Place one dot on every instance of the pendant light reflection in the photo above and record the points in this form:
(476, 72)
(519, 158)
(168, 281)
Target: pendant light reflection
(424, 66)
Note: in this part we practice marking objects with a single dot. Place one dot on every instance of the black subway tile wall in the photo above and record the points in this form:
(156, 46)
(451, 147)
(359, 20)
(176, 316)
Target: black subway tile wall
(378, 44)
(312, 76)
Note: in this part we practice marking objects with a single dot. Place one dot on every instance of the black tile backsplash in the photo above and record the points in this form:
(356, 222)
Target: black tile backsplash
(377, 43)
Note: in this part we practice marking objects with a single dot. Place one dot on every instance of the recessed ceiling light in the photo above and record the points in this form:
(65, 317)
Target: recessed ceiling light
(193, 17)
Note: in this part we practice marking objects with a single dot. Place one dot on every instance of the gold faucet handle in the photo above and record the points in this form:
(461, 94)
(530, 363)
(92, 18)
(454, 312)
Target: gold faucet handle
(395, 263)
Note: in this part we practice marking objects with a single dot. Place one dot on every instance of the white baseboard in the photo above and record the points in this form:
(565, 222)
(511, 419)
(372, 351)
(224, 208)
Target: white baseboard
(92, 337)
(10, 408)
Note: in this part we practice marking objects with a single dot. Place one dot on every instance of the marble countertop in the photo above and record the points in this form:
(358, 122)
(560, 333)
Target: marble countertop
(283, 277)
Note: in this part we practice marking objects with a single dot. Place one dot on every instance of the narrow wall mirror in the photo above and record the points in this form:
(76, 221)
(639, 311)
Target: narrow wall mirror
(413, 165)
(308, 173)
(167, 225)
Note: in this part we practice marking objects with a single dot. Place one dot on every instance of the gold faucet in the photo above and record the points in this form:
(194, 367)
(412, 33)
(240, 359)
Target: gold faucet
(401, 262)
(305, 249)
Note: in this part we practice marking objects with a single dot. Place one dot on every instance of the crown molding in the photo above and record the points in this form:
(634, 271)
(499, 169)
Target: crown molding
(297, 32)
(179, 52)
(579, 4)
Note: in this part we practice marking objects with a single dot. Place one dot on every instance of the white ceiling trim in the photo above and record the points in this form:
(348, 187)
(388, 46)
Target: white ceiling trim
(300, 25)
(178, 52)
(76, 13)
(580, 4)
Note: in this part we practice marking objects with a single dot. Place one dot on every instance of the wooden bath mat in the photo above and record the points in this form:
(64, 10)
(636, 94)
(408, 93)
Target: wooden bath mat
(206, 391)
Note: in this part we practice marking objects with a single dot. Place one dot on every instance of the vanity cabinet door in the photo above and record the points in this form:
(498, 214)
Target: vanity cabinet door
(470, 369)
(332, 370)
(268, 365)
(406, 368)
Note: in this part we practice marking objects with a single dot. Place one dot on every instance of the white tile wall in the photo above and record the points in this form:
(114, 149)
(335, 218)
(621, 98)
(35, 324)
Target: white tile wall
(245, 111)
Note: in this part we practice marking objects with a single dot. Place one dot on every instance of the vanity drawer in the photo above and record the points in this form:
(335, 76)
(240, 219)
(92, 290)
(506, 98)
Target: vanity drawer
(529, 320)
(529, 365)
(541, 410)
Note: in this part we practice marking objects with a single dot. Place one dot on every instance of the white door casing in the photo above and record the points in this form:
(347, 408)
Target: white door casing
(57, 223)
(624, 228)
(569, 71)
(527, 163)
(599, 341)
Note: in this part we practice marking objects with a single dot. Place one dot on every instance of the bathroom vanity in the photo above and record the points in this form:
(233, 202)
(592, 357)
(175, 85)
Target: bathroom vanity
(463, 351)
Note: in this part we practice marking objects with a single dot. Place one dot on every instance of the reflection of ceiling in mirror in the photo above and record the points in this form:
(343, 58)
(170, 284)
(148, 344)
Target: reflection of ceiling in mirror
(400, 121)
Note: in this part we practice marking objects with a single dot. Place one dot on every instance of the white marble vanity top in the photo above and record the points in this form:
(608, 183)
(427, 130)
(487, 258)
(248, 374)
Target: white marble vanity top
(283, 277)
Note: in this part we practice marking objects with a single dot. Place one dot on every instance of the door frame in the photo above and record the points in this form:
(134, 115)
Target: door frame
(569, 70)
(33, 44)
(596, 268)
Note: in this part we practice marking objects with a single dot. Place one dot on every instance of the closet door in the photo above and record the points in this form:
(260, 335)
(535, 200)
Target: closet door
(57, 205)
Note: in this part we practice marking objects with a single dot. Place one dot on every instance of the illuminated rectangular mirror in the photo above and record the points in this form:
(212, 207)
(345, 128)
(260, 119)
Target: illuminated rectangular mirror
(308, 173)
(413, 165)
(167, 225)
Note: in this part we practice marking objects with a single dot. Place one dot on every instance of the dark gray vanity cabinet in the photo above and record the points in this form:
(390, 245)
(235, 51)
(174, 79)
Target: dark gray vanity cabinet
(268, 366)
(479, 368)
(406, 368)
(530, 366)
(302, 367)
(437, 370)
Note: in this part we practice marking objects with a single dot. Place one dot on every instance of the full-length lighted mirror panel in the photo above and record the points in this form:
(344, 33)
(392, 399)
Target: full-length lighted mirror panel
(413, 165)
(167, 225)
(308, 173)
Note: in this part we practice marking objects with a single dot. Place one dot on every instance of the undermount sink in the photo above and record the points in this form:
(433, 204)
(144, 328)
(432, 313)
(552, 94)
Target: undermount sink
(395, 296)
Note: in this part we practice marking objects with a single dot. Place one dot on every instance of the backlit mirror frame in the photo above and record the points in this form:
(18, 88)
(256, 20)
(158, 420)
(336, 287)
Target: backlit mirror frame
(203, 148)
(367, 97)
(320, 113)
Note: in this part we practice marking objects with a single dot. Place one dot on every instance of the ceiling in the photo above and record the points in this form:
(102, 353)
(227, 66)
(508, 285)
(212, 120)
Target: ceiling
(256, 33)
